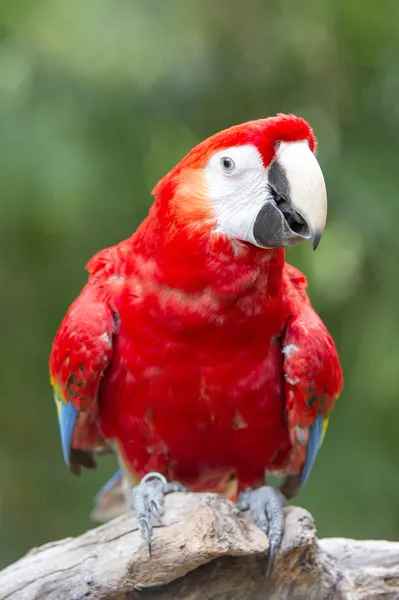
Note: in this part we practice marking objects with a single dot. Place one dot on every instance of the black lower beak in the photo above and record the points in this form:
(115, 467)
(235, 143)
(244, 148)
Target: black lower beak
(278, 225)
(295, 222)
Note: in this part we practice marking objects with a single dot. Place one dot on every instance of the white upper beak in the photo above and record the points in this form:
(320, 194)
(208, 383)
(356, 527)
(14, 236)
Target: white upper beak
(307, 188)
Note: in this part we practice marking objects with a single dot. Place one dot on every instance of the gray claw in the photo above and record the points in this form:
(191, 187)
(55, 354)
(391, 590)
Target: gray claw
(174, 486)
(266, 505)
(147, 501)
(243, 500)
(146, 530)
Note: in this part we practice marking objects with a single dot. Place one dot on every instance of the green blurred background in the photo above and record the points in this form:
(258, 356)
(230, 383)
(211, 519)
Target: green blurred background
(98, 99)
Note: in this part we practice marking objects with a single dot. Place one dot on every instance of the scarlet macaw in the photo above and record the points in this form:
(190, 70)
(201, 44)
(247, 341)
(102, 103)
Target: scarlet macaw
(193, 350)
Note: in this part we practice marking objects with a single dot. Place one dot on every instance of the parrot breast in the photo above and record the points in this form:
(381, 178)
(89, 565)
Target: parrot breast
(195, 388)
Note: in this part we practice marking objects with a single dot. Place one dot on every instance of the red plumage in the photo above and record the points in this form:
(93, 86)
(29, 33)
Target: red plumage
(195, 356)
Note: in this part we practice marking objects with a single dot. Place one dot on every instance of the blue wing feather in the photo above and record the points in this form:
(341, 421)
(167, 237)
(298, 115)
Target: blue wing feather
(67, 418)
(110, 484)
(314, 442)
(111, 500)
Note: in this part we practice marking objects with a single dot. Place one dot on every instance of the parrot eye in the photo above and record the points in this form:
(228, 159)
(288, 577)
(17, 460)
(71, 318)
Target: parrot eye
(227, 164)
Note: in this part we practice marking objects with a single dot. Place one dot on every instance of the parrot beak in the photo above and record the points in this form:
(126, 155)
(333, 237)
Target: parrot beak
(67, 419)
(298, 208)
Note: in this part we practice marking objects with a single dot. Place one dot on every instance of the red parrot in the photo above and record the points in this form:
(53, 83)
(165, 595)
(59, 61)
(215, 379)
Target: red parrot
(193, 351)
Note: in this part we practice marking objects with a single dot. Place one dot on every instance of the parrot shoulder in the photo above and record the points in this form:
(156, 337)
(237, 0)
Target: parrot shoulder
(115, 260)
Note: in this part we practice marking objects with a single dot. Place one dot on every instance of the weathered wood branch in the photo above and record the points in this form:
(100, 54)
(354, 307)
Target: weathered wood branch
(207, 550)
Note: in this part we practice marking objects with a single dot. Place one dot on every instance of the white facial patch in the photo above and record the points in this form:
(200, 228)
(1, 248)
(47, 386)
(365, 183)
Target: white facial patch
(238, 193)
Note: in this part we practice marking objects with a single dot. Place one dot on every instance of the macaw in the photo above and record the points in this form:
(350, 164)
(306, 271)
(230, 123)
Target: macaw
(193, 351)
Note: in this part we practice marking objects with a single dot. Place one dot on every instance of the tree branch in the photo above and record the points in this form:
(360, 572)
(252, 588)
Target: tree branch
(207, 550)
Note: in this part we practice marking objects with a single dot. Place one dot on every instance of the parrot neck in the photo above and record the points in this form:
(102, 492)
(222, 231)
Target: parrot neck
(195, 260)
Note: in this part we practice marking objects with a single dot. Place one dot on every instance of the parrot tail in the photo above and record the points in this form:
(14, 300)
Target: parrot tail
(111, 500)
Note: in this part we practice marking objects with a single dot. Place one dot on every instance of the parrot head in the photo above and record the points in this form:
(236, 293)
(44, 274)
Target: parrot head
(257, 183)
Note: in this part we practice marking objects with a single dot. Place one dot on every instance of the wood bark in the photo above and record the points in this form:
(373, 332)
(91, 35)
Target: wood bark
(206, 550)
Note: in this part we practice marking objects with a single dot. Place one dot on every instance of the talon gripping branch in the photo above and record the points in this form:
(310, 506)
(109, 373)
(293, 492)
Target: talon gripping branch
(193, 350)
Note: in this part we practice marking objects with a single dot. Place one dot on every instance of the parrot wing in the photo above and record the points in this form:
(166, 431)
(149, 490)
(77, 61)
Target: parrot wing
(81, 352)
(313, 376)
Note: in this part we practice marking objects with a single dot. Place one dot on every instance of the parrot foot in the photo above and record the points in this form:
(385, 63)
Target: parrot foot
(147, 501)
(266, 505)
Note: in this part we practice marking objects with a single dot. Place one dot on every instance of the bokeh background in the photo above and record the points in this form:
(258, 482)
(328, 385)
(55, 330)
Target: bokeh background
(98, 99)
